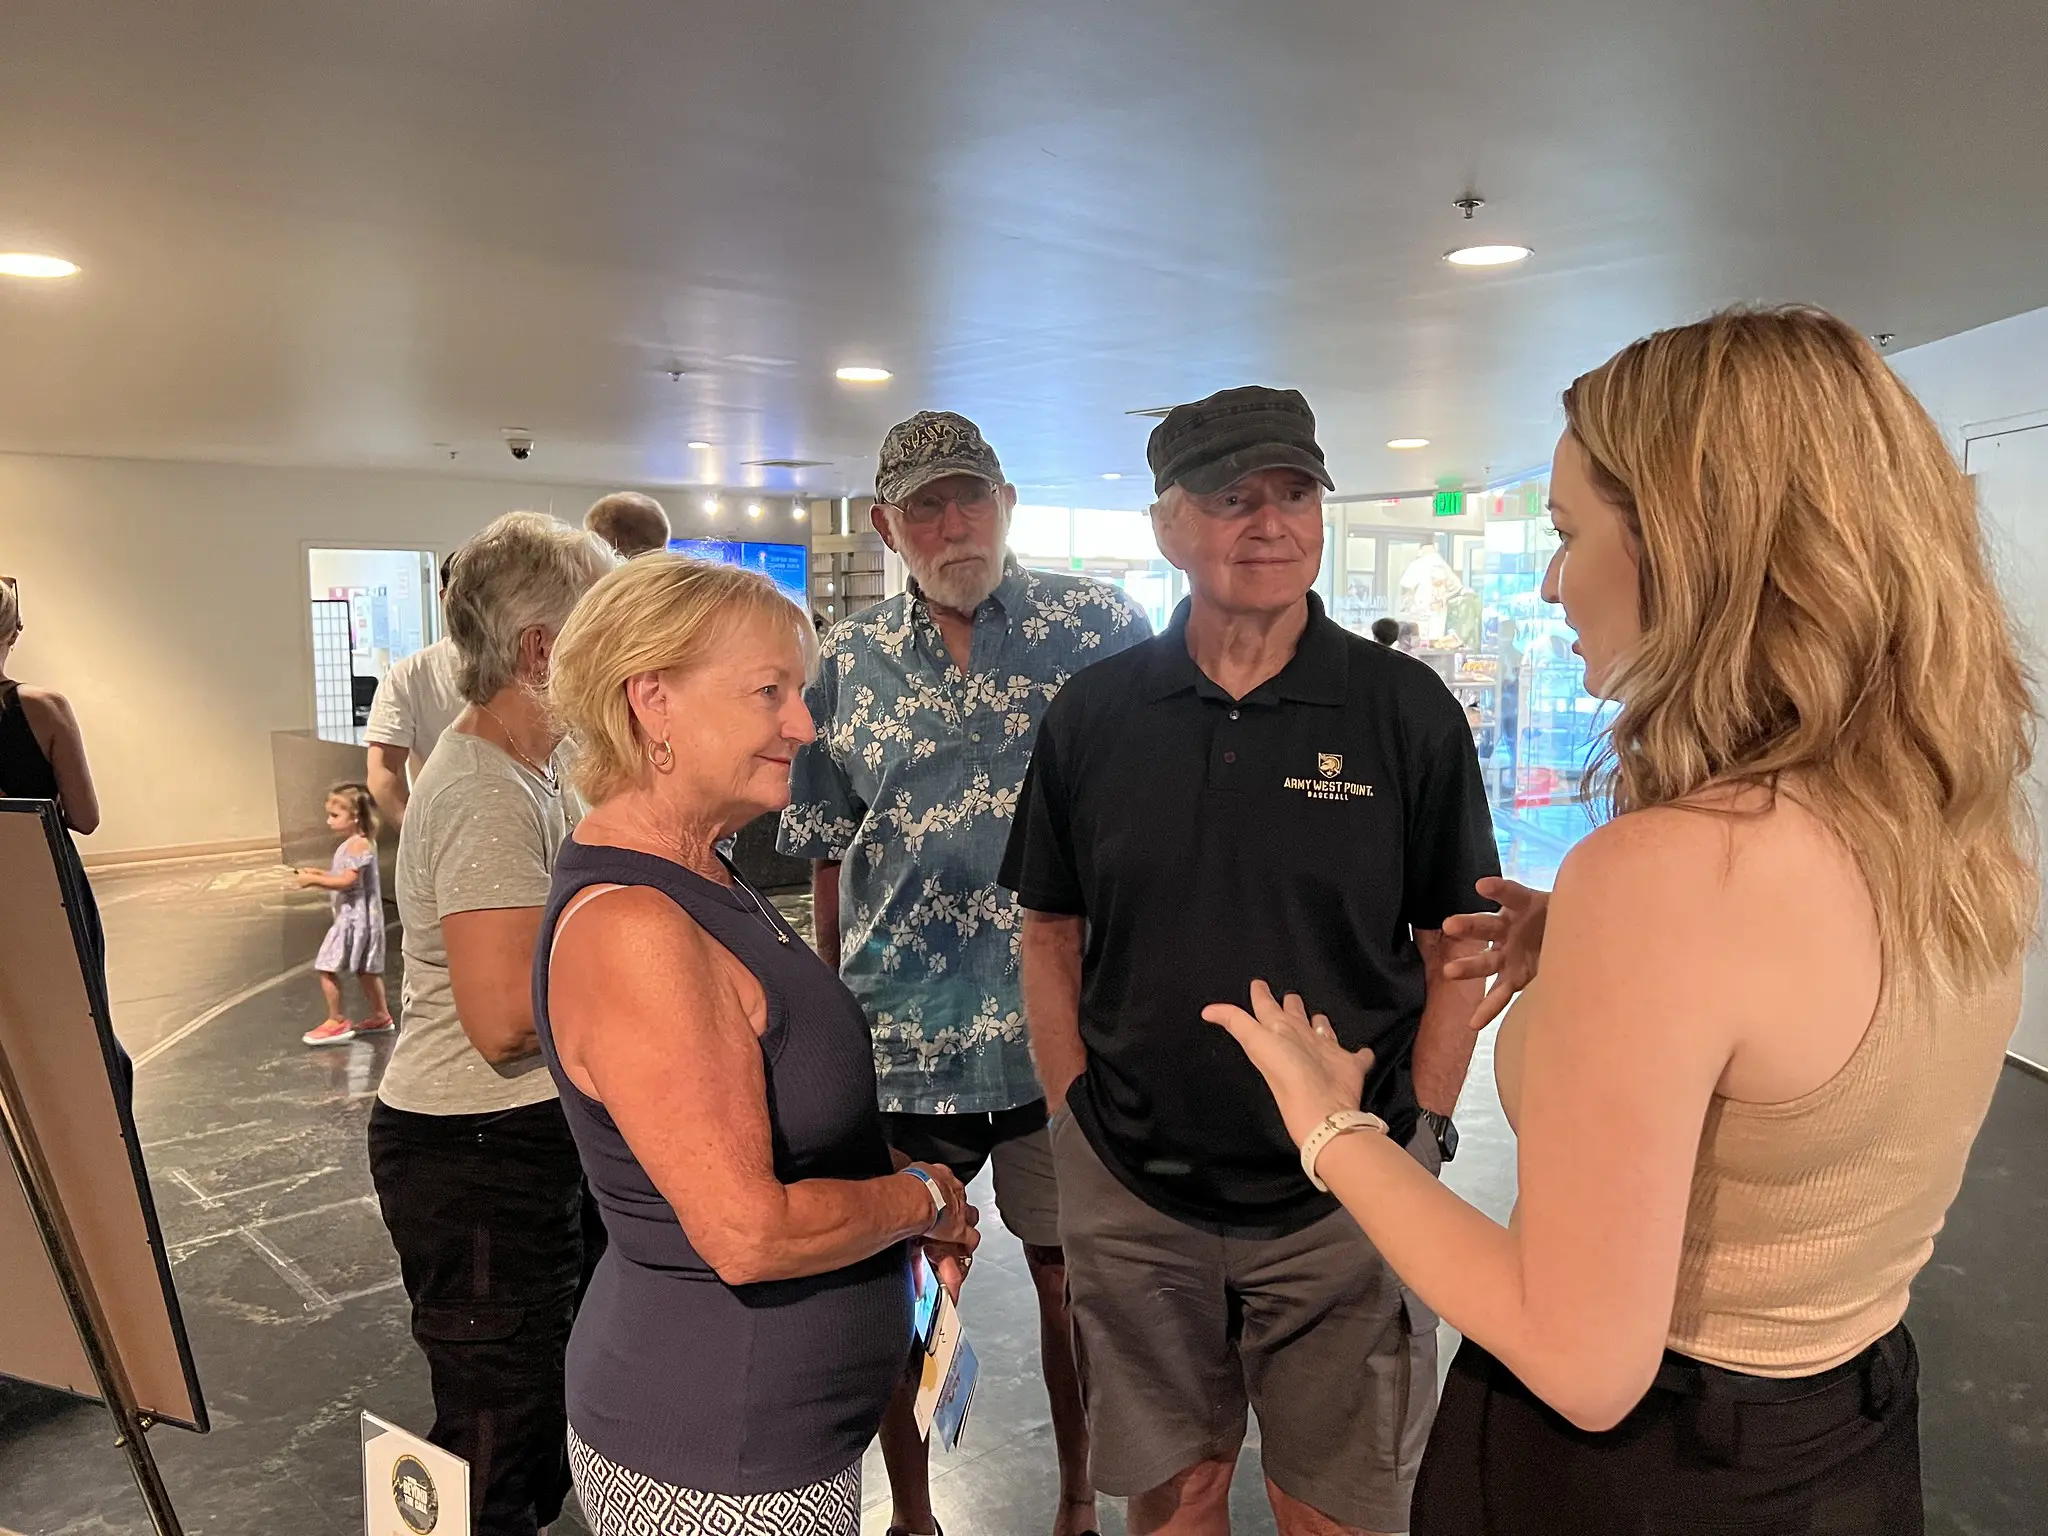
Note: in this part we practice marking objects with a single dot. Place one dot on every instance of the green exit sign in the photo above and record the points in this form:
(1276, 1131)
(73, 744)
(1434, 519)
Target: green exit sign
(1450, 503)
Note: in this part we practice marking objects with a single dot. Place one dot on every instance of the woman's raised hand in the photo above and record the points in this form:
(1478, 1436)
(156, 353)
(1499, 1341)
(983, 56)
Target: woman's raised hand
(1514, 940)
(1311, 1075)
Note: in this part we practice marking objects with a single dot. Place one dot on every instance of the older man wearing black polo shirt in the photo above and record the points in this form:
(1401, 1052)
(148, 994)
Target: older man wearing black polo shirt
(1254, 794)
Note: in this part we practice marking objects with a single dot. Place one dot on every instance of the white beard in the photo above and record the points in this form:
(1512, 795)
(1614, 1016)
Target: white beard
(963, 587)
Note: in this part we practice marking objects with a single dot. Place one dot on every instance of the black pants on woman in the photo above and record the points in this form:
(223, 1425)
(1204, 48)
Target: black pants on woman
(496, 1239)
(1707, 1452)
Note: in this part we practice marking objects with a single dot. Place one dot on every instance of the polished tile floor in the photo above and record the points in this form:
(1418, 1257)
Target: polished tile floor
(290, 1289)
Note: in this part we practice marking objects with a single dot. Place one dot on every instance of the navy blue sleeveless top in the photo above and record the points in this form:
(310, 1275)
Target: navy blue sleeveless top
(672, 1373)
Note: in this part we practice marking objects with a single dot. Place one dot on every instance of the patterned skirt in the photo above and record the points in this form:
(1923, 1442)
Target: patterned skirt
(620, 1502)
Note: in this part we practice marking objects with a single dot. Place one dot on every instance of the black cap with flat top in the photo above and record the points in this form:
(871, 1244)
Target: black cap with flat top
(1213, 443)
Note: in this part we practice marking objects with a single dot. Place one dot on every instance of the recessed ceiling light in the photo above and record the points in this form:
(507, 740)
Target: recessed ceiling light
(859, 374)
(28, 264)
(1407, 442)
(754, 509)
(1113, 475)
(796, 511)
(711, 506)
(1488, 255)
(698, 443)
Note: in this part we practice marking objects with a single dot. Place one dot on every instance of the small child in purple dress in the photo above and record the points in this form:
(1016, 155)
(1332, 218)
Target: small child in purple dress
(355, 942)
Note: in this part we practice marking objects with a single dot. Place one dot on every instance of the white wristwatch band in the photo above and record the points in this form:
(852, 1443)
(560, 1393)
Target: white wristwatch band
(1343, 1120)
(938, 1195)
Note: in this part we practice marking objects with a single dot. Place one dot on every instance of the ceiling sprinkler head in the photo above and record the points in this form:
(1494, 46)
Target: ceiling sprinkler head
(1884, 339)
(1469, 204)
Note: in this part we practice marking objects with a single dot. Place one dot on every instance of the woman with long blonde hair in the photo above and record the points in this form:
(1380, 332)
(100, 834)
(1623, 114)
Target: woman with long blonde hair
(1775, 988)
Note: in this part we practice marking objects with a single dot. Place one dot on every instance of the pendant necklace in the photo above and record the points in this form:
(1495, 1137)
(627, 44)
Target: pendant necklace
(545, 775)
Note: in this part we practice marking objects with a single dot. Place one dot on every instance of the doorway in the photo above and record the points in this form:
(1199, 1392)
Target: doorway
(369, 608)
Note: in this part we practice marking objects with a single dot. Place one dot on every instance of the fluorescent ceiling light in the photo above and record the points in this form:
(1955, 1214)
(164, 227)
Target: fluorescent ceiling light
(696, 443)
(28, 264)
(1488, 255)
(1407, 442)
(1112, 475)
(864, 375)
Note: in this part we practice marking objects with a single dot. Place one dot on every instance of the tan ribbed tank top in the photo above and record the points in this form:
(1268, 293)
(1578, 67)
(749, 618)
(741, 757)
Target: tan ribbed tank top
(1810, 1218)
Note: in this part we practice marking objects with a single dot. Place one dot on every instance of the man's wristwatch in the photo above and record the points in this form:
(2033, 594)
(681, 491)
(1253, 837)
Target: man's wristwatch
(1446, 1134)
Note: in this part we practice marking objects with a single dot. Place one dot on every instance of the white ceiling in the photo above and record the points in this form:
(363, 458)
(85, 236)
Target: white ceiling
(339, 233)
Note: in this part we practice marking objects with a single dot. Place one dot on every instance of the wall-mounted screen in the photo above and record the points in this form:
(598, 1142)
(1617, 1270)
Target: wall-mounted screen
(787, 565)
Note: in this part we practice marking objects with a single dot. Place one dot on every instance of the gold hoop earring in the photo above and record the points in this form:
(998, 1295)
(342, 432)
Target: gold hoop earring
(662, 755)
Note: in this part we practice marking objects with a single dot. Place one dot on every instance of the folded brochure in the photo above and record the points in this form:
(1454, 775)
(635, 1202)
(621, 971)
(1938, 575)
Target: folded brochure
(949, 1369)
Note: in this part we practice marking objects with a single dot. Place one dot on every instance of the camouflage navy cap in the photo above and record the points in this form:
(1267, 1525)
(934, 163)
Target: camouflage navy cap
(930, 446)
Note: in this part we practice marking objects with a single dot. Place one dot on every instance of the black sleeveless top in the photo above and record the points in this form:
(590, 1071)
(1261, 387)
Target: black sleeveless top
(672, 1373)
(25, 772)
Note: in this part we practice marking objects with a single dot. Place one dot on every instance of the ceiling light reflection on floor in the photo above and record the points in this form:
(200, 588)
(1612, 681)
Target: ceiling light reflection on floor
(1488, 255)
(30, 264)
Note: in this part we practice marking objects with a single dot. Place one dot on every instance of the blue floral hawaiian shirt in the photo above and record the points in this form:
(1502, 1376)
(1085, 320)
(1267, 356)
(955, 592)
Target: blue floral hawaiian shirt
(911, 786)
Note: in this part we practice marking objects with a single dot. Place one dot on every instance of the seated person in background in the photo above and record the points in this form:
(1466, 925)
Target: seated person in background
(415, 702)
(1775, 990)
(632, 523)
(750, 1321)
(474, 1169)
(1386, 630)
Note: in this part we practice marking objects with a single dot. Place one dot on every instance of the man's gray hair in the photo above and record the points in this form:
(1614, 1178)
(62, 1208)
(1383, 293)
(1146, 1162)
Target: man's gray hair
(632, 523)
(524, 570)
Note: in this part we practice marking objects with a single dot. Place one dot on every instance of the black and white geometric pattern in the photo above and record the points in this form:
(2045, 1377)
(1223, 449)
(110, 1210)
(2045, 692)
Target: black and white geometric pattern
(619, 1502)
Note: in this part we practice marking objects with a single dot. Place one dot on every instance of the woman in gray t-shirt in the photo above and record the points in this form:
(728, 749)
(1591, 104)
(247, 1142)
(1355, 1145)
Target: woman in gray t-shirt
(475, 1170)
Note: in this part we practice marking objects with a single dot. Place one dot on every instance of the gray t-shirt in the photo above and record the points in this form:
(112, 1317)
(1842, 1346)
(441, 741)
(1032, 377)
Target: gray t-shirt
(480, 834)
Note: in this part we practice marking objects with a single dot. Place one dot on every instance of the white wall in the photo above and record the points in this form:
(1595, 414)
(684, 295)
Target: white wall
(1988, 388)
(169, 602)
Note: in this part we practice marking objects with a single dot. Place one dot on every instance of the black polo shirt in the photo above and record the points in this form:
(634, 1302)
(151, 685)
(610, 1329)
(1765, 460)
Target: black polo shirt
(1298, 835)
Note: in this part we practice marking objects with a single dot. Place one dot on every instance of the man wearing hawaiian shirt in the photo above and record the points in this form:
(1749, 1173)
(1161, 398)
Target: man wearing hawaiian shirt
(927, 707)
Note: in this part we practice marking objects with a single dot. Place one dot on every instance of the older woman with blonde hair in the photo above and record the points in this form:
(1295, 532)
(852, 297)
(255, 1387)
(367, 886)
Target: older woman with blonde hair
(752, 1316)
(475, 1172)
(1774, 991)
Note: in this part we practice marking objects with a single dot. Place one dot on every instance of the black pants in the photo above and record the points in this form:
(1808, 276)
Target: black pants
(1706, 1453)
(496, 1238)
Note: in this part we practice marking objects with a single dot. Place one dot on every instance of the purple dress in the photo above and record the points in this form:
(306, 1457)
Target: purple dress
(355, 942)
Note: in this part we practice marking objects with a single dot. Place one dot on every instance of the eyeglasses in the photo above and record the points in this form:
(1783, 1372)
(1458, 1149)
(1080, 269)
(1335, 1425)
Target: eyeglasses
(929, 506)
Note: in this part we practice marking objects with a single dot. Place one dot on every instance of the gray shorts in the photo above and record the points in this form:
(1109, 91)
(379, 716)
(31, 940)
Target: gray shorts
(1178, 1331)
(1027, 1194)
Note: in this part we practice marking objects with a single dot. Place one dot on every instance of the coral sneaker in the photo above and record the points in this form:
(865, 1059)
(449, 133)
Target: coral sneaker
(333, 1032)
(383, 1024)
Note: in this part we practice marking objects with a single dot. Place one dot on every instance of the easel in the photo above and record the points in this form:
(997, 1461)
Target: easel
(131, 1424)
(72, 1144)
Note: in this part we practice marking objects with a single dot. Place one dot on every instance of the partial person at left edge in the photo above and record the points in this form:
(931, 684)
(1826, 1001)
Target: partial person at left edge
(42, 757)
